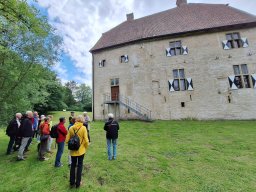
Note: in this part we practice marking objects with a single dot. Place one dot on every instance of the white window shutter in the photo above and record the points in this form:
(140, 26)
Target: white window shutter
(171, 85)
(245, 42)
(168, 52)
(190, 84)
(225, 45)
(232, 84)
(126, 59)
(254, 80)
(184, 50)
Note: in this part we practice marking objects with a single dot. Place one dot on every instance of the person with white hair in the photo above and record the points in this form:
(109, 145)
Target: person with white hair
(86, 124)
(26, 132)
(12, 131)
(77, 156)
(111, 127)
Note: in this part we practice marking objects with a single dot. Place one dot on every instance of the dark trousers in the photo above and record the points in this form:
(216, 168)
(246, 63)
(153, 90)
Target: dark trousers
(10, 145)
(42, 149)
(88, 133)
(59, 153)
(35, 134)
(75, 175)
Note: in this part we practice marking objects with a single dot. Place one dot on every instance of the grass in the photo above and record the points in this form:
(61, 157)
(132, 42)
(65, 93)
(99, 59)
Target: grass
(205, 156)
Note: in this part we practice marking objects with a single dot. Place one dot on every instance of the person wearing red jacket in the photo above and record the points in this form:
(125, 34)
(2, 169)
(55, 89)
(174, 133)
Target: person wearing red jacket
(62, 132)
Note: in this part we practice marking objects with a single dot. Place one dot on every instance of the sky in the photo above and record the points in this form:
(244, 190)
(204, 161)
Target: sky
(81, 23)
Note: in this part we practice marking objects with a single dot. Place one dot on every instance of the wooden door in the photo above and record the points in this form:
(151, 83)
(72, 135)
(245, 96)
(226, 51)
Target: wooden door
(114, 93)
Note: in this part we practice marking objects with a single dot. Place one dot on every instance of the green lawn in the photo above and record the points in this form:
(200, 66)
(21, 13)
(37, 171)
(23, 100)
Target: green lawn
(160, 156)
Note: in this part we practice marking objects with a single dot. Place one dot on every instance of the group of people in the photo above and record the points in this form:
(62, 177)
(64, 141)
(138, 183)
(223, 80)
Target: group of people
(24, 127)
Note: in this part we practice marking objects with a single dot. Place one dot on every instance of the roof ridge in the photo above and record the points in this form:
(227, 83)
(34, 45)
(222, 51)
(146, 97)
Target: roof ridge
(187, 18)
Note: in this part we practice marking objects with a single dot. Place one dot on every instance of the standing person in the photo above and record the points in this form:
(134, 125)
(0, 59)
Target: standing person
(78, 155)
(12, 131)
(44, 136)
(111, 127)
(35, 125)
(26, 132)
(73, 121)
(40, 121)
(72, 115)
(49, 144)
(70, 125)
(86, 124)
(62, 132)
(30, 139)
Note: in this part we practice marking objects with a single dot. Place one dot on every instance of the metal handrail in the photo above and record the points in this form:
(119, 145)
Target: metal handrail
(143, 111)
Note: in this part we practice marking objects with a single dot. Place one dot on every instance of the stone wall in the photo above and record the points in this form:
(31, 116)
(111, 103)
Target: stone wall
(144, 78)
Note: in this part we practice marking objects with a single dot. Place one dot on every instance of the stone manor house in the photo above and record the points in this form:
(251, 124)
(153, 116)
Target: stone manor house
(193, 61)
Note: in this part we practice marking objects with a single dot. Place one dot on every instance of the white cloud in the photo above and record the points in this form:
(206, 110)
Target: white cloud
(81, 22)
(61, 71)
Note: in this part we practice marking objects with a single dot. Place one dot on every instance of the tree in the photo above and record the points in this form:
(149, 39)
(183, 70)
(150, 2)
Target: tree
(84, 97)
(72, 85)
(28, 48)
(68, 97)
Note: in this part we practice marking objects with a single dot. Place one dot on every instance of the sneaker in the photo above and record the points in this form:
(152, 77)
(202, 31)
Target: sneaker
(61, 165)
(20, 159)
(43, 159)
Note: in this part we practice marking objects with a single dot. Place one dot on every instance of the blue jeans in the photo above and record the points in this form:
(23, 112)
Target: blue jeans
(59, 153)
(114, 143)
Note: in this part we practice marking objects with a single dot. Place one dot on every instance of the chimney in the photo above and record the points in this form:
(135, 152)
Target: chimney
(181, 2)
(130, 17)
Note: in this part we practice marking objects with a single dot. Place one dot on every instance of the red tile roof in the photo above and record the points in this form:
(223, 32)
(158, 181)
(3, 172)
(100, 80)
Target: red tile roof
(186, 18)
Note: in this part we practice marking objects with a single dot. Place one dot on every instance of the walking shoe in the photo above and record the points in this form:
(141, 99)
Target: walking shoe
(61, 165)
(20, 159)
(43, 159)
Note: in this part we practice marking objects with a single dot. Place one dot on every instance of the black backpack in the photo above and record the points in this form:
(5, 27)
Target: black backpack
(54, 131)
(74, 142)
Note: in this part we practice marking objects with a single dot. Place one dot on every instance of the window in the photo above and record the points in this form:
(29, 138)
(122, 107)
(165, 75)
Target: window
(124, 59)
(114, 82)
(102, 63)
(234, 40)
(175, 48)
(182, 104)
(242, 79)
(179, 83)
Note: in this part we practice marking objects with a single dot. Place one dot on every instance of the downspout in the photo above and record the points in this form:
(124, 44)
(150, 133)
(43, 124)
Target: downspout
(93, 114)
